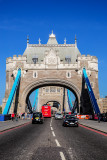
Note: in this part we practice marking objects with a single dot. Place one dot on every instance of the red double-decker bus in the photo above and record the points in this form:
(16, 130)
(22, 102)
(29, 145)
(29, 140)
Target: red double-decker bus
(46, 111)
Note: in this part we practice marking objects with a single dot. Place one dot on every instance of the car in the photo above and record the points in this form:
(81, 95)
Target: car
(58, 116)
(103, 117)
(37, 117)
(70, 120)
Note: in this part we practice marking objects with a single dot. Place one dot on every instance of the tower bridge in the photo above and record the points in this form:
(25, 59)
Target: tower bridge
(52, 64)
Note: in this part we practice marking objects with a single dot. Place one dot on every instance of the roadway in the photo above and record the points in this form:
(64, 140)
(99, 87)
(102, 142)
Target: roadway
(52, 141)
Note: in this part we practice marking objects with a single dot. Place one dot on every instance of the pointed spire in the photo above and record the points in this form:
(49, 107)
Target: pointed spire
(52, 39)
(75, 37)
(75, 41)
(65, 41)
(52, 35)
(27, 40)
(39, 41)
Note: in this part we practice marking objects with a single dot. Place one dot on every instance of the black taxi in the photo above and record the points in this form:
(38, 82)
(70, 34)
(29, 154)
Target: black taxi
(37, 117)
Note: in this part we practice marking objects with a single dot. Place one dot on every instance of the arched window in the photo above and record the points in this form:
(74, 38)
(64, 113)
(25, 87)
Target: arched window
(92, 84)
(35, 74)
(68, 74)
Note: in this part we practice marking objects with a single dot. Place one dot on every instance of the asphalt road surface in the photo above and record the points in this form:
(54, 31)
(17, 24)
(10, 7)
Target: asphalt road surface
(52, 141)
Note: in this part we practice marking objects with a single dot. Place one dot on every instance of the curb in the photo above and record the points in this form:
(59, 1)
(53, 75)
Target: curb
(93, 128)
(15, 126)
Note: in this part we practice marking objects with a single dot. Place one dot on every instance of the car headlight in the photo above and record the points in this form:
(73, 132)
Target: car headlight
(66, 121)
(76, 121)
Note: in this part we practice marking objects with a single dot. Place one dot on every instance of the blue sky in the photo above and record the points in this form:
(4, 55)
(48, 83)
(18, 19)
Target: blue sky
(85, 18)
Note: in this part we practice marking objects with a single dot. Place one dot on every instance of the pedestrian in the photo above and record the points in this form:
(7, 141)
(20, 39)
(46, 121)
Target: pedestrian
(98, 117)
(16, 117)
(12, 116)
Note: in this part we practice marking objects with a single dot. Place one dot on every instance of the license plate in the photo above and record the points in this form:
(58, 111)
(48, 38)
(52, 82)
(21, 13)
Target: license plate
(71, 123)
(37, 118)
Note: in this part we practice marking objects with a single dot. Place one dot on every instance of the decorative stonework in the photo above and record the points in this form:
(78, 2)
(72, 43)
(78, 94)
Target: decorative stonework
(51, 69)
(51, 58)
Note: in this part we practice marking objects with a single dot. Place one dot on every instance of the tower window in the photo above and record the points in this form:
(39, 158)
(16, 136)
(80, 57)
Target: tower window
(68, 59)
(35, 59)
(68, 74)
(47, 89)
(92, 84)
(58, 89)
(52, 89)
(35, 74)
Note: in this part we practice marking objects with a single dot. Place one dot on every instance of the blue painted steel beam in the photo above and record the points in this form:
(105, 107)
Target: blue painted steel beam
(29, 105)
(12, 92)
(91, 93)
(35, 100)
(69, 99)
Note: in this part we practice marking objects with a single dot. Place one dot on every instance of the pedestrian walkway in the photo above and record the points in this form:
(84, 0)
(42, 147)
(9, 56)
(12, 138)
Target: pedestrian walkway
(5, 125)
(102, 126)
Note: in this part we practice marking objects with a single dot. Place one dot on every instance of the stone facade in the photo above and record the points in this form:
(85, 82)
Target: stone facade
(102, 102)
(53, 93)
(51, 64)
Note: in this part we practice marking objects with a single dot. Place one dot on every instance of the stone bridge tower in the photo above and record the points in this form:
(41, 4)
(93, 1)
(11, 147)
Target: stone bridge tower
(50, 64)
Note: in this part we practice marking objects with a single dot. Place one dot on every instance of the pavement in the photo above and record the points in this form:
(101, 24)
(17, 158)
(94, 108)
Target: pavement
(102, 126)
(5, 125)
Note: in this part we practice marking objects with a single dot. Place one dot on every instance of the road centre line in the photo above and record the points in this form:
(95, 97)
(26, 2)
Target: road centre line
(51, 129)
(70, 153)
(58, 145)
(62, 156)
(53, 133)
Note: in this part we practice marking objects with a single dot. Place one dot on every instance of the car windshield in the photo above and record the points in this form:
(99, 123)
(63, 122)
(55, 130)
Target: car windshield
(37, 115)
(70, 117)
(58, 114)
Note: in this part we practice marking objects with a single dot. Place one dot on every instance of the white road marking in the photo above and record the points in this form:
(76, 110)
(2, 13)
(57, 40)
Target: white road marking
(51, 129)
(58, 145)
(53, 133)
(62, 156)
(70, 153)
(50, 125)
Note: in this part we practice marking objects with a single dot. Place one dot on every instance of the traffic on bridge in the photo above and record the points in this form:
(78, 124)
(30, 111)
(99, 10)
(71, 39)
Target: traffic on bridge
(50, 141)
(52, 109)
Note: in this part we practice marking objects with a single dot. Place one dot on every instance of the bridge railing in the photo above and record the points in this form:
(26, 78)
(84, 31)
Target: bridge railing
(91, 93)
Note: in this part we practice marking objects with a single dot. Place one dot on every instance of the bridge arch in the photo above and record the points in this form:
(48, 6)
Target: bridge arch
(54, 101)
(48, 82)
